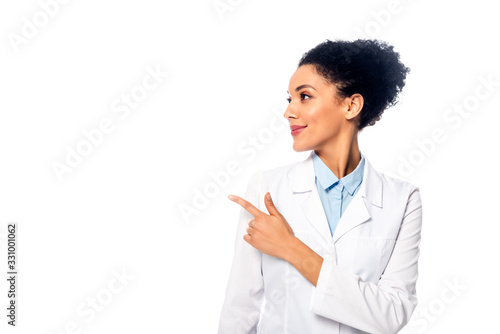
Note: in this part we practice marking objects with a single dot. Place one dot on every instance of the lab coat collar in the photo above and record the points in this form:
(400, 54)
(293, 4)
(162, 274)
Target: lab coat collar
(327, 178)
(301, 179)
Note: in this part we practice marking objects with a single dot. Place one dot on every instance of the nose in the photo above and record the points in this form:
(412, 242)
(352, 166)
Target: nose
(290, 112)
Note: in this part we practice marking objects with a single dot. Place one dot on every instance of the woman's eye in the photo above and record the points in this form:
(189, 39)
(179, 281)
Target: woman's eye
(302, 96)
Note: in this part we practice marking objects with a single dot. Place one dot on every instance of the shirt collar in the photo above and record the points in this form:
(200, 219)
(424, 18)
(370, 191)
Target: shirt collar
(327, 178)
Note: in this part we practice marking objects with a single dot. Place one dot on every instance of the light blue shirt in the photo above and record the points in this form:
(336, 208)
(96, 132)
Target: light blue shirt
(336, 194)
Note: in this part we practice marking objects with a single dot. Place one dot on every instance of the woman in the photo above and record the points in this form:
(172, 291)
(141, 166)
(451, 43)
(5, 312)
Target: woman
(329, 244)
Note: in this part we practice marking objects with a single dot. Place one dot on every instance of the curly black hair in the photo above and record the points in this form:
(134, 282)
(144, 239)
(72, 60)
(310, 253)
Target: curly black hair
(365, 66)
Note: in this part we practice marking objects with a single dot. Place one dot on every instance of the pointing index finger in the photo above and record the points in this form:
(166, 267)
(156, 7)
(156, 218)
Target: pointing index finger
(246, 205)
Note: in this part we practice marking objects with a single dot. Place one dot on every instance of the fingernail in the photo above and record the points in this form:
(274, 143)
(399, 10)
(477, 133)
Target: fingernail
(268, 196)
(231, 197)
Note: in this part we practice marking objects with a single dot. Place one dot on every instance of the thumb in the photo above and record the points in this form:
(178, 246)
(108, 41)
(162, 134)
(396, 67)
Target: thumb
(270, 205)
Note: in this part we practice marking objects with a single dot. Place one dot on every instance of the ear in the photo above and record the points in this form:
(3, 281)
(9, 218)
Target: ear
(354, 105)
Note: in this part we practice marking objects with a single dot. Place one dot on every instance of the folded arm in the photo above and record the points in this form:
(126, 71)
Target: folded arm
(375, 308)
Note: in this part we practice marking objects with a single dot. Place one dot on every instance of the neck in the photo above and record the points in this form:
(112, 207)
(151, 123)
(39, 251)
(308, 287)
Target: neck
(341, 156)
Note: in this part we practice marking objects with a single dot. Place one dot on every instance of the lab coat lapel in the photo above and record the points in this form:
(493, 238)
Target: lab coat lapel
(302, 181)
(315, 214)
(358, 210)
(355, 214)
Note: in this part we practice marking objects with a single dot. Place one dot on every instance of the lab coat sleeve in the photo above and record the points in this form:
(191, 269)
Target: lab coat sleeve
(382, 308)
(245, 288)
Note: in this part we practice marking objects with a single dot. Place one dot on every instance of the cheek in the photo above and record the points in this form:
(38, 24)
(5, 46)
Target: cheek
(316, 116)
(325, 121)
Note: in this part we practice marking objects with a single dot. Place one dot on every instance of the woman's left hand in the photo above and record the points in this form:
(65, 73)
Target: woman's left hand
(269, 233)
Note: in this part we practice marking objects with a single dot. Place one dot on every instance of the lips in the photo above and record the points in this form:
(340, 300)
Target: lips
(296, 129)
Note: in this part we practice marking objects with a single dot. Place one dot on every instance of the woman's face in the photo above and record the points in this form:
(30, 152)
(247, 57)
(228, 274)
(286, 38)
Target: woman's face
(312, 105)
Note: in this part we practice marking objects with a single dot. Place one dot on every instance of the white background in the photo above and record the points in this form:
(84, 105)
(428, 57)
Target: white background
(119, 209)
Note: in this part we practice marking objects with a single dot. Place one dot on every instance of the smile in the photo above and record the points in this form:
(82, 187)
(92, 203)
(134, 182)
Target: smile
(296, 129)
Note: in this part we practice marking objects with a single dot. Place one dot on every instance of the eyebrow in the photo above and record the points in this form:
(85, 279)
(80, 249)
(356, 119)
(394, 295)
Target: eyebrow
(302, 86)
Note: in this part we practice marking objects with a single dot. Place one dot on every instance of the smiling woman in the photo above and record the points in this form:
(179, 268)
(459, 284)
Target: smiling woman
(335, 250)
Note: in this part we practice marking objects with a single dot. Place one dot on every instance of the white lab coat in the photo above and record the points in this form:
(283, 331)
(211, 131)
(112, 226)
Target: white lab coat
(367, 280)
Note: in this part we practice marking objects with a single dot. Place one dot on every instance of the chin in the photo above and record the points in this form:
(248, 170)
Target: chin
(300, 148)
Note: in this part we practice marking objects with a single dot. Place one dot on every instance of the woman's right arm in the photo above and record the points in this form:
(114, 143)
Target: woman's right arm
(245, 288)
